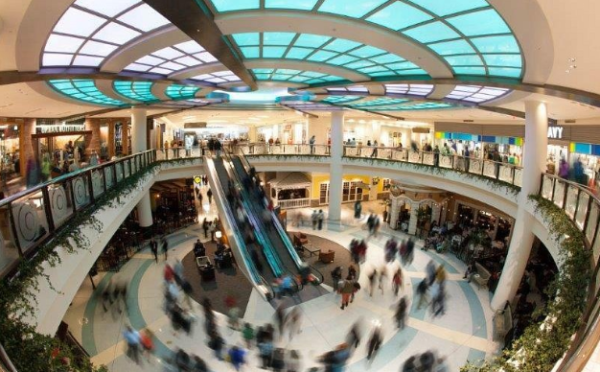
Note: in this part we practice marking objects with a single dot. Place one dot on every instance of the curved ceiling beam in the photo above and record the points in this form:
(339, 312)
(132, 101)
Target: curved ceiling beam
(320, 24)
(191, 19)
(441, 91)
(189, 73)
(151, 43)
(106, 87)
(525, 16)
(159, 89)
(34, 30)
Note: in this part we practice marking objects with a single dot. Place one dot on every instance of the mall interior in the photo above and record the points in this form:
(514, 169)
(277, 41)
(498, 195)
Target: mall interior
(307, 185)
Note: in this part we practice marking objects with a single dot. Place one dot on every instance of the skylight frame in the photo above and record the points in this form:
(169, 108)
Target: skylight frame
(181, 92)
(295, 76)
(140, 91)
(438, 19)
(356, 57)
(422, 90)
(476, 93)
(218, 77)
(102, 21)
(83, 90)
(171, 59)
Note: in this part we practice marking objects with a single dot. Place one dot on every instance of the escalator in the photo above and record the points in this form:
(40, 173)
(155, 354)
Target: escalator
(276, 234)
(218, 178)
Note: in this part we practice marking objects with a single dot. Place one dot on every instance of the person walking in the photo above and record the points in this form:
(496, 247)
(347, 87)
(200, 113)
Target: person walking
(382, 277)
(133, 340)
(372, 280)
(374, 344)
(397, 281)
(400, 315)
(165, 247)
(357, 209)
(205, 227)
(347, 290)
(336, 276)
(265, 350)
(209, 194)
(422, 290)
(154, 248)
(320, 218)
(248, 334)
(314, 218)
(237, 355)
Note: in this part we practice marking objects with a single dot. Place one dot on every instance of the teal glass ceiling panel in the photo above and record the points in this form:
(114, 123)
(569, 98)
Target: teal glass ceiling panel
(341, 60)
(298, 53)
(296, 76)
(484, 22)
(432, 32)
(472, 60)
(448, 28)
(383, 101)
(273, 52)
(92, 94)
(233, 5)
(497, 44)
(341, 45)
(250, 52)
(177, 91)
(248, 38)
(444, 8)
(138, 91)
(342, 99)
(398, 15)
(367, 51)
(505, 60)
(414, 71)
(470, 70)
(321, 56)
(387, 58)
(278, 38)
(287, 4)
(311, 41)
(352, 9)
(452, 47)
(321, 49)
(505, 71)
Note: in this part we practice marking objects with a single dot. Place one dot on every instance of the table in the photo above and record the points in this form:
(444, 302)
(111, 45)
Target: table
(312, 251)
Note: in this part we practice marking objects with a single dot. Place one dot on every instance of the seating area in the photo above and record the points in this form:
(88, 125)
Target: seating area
(482, 276)
(206, 268)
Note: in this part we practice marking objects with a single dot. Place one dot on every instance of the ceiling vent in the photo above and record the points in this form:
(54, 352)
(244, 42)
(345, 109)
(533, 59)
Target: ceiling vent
(468, 121)
(572, 121)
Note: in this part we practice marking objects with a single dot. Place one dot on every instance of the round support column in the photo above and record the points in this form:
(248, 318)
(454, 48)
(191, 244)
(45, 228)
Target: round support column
(534, 165)
(139, 120)
(336, 171)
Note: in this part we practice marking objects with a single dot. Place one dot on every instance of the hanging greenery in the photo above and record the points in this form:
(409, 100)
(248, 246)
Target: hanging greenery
(33, 352)
(543, 344)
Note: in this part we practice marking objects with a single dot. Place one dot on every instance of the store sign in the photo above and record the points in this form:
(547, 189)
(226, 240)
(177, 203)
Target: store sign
(555, 132)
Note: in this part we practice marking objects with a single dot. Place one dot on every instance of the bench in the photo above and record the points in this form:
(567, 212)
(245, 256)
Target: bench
(482, 276)
(503, 321)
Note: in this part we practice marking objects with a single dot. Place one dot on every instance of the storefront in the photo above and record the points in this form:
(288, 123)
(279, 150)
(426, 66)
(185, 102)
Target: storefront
(287, 134)
(60, 142)
(290, 190)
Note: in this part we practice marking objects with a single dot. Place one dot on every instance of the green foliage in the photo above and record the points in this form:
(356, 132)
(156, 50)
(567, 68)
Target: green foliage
(543, 344)
(29, 350)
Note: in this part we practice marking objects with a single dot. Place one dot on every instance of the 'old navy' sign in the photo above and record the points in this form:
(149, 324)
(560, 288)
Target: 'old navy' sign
(555, 132)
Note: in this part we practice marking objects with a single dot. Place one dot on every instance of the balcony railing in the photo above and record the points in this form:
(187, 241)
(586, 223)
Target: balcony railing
(294, 203)
(28, 219)
(504, 172)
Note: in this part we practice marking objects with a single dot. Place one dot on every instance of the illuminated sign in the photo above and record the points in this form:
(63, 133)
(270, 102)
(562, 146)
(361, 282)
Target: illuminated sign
(555, 132)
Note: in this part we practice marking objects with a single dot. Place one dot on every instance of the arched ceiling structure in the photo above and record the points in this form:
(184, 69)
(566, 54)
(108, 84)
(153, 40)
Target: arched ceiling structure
(444, 55)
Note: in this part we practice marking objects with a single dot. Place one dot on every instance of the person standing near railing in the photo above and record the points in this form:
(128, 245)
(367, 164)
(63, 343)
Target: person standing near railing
(311, 142)
(374, 152)
(467, 155)
(436, 156)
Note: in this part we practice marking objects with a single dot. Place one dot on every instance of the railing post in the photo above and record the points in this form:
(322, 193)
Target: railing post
(565, 193)
(48, 209)
(554, 181)
(587, 217)
(576, 207)
(91, 186)
(514, 171)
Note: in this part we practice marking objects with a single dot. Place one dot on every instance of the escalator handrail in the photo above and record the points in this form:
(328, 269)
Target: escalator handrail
(272, 260)
(251, 211)
(283, 234)
(253, 272)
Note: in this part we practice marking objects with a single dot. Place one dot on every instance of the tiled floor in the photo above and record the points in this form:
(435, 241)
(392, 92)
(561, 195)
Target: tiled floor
(463, 333)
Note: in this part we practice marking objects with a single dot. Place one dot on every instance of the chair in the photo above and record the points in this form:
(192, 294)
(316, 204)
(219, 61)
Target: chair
(326, 257)
(300, 239)
(202, 262)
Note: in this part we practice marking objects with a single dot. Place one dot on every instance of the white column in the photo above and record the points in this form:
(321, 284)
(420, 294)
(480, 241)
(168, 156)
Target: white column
(138, 143)
(336, 170)
(534, 164)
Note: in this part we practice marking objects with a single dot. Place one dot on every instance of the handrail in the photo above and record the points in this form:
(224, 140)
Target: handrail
(259, 226)
(256, 278)
(282, 233)
(272, 258)
(33, 216)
